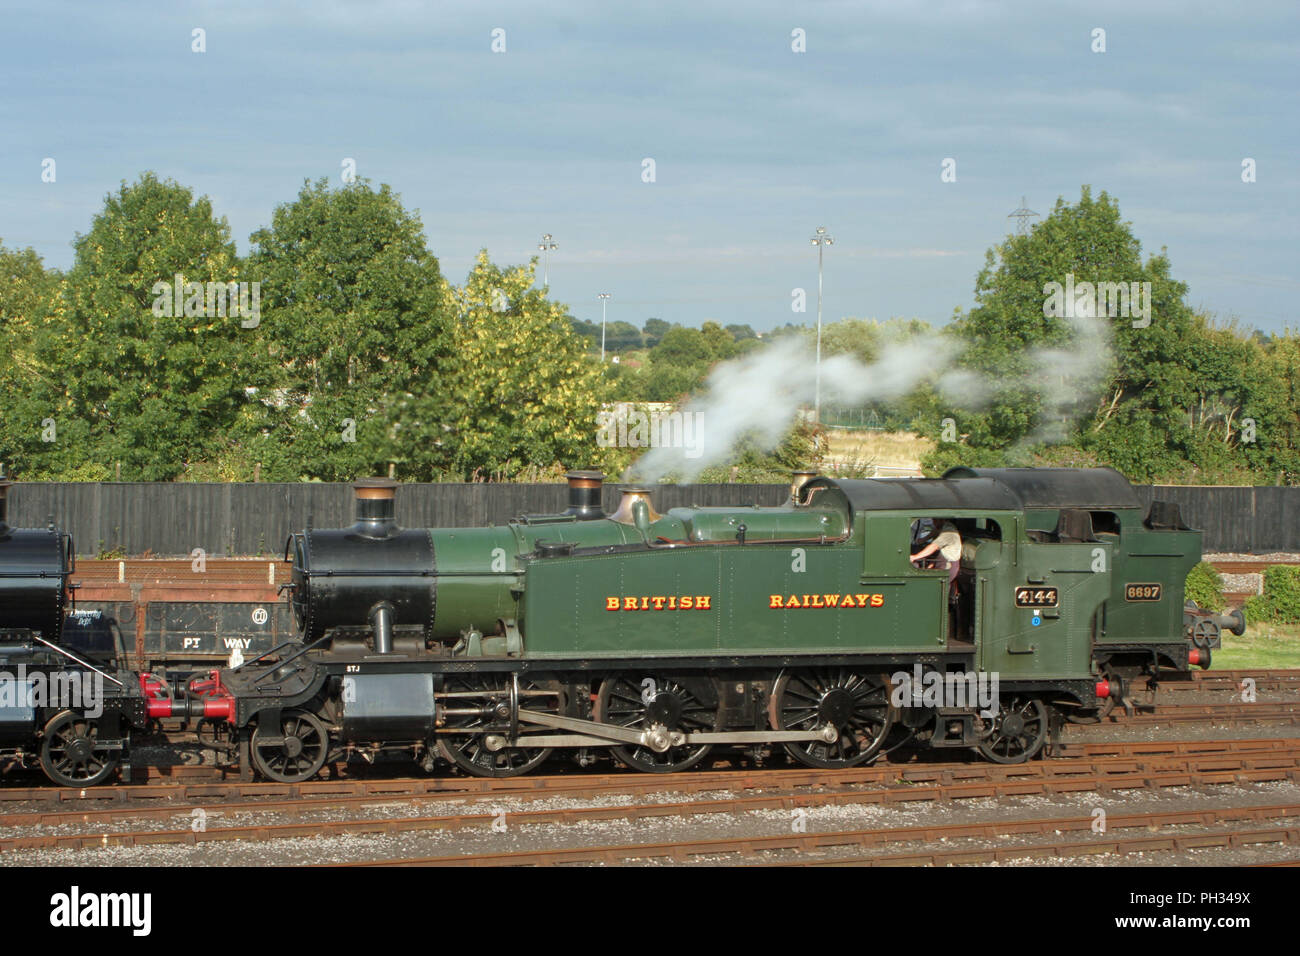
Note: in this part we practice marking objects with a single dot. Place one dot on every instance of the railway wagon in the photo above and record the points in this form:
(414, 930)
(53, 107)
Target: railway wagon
(186, 616)
(168, 631)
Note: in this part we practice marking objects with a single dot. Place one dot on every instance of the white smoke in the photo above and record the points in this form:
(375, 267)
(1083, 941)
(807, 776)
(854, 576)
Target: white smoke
(759, 395)
(1068, 377)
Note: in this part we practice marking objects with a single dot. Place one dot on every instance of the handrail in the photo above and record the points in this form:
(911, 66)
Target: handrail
(750, 542)
(277, 647)
(68, 654)
(291, 658)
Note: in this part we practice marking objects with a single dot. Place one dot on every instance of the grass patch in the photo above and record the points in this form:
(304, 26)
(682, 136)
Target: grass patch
(864, 448)
(1262, 646)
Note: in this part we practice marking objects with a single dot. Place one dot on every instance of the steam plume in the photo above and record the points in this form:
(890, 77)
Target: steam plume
(758, 396)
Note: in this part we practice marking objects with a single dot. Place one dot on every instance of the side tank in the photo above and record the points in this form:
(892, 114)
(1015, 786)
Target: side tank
(392, 581)
(399, 588)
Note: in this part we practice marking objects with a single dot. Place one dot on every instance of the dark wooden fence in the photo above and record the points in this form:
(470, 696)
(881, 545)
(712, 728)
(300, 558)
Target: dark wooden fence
(168, 520)
(165, 519)
(1246, 520)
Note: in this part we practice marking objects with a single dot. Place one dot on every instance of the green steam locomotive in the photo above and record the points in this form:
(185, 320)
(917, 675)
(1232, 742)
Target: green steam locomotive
(824, 628)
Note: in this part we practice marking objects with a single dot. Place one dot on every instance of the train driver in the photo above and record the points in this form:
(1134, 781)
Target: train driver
(947, 542)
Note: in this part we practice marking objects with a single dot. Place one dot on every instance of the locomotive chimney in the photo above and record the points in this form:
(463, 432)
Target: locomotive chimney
(797, 480)
(376, 507)
(584, 495)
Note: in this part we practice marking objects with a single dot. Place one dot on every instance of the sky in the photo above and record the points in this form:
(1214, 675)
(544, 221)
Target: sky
(754, 145)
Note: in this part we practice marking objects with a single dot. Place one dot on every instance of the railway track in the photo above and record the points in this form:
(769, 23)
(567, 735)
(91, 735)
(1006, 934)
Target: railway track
(1265, 761)
(1282, 817)
(193, 784)
(1139, 845)
(1248, 567)
(1220, 684)
(1224, 715)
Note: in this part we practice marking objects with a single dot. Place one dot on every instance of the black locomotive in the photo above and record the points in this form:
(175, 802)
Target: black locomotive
(65, 710)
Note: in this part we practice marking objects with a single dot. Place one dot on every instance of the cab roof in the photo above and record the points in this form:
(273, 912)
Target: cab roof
(1085, 488)
(917, 494)
(983, 489)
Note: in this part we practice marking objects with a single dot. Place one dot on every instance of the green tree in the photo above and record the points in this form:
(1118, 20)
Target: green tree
(356, 334)
(146, 379)
(590, 331)
(31, 314)
(721, 343)
(1267, 432)
(621, 337)
(801, 448)
(1120, 388)
(669, 382)
(858, 338)
(653, 331)
(683, 347)
(523, 392)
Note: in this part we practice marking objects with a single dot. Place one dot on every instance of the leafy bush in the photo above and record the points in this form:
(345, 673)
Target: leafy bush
(952, 454)
(1280, 602)
(1205, 587)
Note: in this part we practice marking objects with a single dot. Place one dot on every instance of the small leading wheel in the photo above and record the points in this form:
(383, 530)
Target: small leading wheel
(855, 704)
(1017, 732)
(74, 754)
(663, 704)
(296, 753)
(481, 707)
